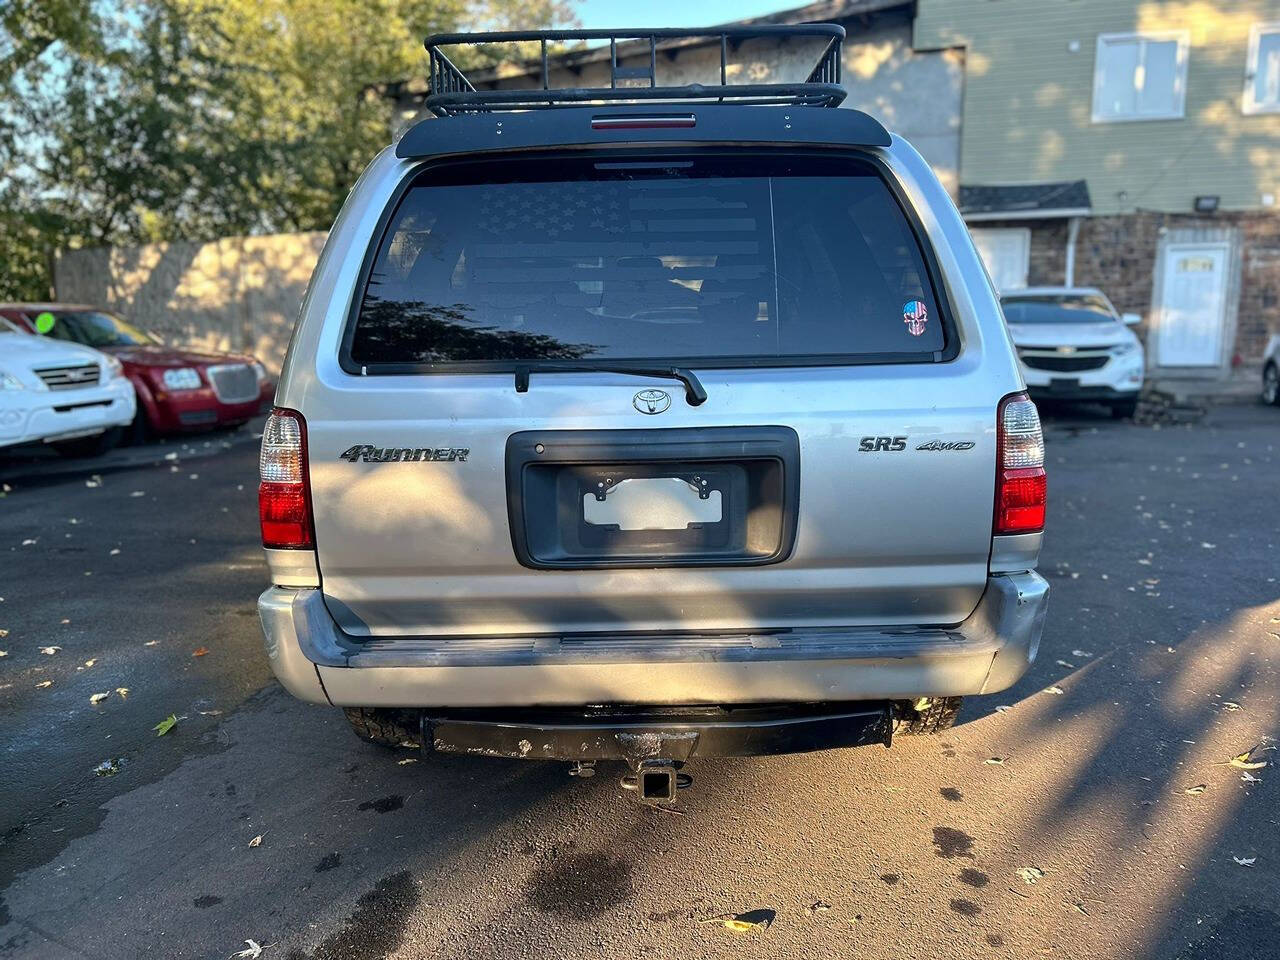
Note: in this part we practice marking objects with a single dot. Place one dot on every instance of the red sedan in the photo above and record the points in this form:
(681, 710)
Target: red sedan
(178, 390)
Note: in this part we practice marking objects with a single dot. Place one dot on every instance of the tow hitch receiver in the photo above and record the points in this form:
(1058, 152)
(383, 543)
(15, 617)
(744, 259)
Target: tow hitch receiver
(656, 781)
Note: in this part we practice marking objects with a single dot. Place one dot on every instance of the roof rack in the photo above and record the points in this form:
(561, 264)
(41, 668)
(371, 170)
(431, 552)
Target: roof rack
(452, 93)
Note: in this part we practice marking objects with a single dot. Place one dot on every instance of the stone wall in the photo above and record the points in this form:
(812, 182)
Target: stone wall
(238, 293)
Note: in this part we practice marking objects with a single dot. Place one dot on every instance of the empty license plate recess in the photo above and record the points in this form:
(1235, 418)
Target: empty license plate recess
(652, 503)
(685, 497)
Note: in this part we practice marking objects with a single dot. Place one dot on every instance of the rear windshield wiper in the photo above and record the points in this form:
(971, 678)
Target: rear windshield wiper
(693, 390)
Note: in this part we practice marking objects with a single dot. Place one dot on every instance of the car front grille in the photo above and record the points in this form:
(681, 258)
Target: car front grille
(234, 382)
(69, 378)
(1064, 363)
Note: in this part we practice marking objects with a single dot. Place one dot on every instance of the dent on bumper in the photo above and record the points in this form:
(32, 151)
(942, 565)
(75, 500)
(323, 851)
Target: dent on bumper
(986, 653)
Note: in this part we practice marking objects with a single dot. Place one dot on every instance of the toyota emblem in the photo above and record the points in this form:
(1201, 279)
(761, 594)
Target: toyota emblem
(651, 401)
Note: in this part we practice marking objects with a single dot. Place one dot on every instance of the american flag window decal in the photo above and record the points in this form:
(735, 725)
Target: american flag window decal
(706, 260)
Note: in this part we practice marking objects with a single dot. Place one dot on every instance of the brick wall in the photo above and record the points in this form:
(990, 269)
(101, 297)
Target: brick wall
(1118, 255)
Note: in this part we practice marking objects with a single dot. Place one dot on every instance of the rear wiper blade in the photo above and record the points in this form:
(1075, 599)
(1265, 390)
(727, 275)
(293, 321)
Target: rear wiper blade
(693, 390)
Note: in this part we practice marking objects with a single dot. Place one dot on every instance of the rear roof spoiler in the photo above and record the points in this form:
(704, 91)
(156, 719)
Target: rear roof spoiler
(658, 124)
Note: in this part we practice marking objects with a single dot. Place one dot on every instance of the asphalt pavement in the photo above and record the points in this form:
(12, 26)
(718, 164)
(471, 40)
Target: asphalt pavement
(1091, 811)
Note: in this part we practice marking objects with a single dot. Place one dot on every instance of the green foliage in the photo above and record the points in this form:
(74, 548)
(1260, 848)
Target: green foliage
(128, 121)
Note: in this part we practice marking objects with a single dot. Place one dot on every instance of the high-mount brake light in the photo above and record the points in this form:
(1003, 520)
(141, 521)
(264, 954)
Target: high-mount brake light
(643, 123)
(1021, 484)
(284, 494)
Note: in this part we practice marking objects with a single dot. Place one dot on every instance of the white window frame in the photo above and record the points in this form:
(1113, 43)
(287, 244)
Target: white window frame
(1250, 105)
(1181, 37)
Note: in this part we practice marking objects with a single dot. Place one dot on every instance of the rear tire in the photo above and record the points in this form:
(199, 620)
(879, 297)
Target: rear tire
(925, 716)
(1125, 409)
(94, 446)
(1271, 384)
(386, 728)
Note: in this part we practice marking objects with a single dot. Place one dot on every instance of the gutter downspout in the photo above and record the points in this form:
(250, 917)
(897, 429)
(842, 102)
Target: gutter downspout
(1073, 231)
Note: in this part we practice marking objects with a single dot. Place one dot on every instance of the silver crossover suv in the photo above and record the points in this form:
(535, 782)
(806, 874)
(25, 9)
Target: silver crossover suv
(650, 430)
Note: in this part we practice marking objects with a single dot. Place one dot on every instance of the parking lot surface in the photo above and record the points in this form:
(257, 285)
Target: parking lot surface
(1091, 811)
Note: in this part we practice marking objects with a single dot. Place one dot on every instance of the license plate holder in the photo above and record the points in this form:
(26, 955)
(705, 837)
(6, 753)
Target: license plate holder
(652, 503)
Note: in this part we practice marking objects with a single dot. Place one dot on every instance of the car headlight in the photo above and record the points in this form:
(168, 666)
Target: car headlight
(182, 378)
(113, 368)
(9, 382)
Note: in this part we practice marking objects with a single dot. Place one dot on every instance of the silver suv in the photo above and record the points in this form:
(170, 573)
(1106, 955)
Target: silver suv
(650, 431)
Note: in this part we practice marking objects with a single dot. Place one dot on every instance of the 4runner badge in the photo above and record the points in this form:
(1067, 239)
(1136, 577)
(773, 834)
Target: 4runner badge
(651, 401)
(368, 453)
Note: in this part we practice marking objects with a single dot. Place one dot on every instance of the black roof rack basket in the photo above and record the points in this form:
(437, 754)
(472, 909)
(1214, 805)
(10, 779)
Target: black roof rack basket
(451, 93)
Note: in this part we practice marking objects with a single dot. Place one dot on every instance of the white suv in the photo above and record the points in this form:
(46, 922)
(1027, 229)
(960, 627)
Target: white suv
(68, 396)
(1075, 346)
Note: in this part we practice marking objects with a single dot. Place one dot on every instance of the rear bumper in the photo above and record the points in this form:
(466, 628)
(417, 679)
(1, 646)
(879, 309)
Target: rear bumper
(637, 736)
(987, 652)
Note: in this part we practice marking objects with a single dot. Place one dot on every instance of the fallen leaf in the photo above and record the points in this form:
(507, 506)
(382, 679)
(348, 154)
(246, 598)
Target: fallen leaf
(44, 683)
(407, 760)
(115, 552)
(93, 481)
(98, 697)
(995, 761)
(64, 621)
(4, 653)
(165, 725)
(49, 651)
(820, 906)
(1069, 666)
(1054, 689)
(251, 952)
(28, 542)
(1030, 874)
(90, 663)
(200, 651)
(210, 713)
(1245, 861)
(151, 643)
(1198, 789)
(3, 634)
(737, 925)
(138, 493)
(171, 456)
(1230, 705)
(1248, 777)
(1243, 762)
(124, 692)
(256, 841)
(1003, 707)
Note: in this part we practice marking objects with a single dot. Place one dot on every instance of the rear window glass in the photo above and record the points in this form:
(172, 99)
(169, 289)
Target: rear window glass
(707, 259)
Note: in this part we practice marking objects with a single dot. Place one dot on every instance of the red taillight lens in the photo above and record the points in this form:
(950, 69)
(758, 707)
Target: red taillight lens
(284, 497)
(1021, 485)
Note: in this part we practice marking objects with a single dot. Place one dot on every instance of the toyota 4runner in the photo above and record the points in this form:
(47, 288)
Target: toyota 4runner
(650, 423)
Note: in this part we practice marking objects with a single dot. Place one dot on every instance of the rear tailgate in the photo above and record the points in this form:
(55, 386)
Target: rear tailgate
(795, 288)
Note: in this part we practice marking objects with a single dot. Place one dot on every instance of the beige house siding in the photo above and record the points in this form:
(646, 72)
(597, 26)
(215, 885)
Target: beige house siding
(1029, 96)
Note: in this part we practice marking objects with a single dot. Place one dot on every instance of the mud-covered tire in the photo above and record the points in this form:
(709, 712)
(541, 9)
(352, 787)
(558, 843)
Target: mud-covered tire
(937, 715)
(386, 728)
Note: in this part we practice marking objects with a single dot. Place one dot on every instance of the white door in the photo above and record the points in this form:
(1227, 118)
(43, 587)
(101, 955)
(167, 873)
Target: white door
(1193, 304)
(1007, 253)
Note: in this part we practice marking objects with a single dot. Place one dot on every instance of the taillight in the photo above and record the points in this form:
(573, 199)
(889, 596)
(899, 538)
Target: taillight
(284, 497)
(1021, 486)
